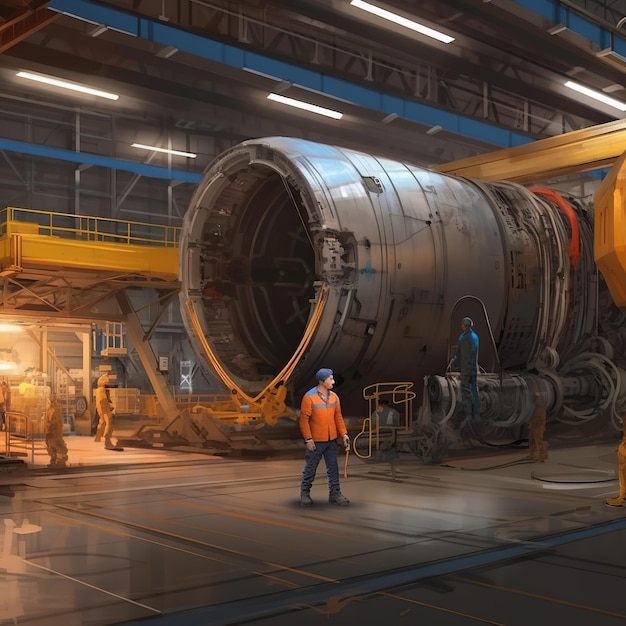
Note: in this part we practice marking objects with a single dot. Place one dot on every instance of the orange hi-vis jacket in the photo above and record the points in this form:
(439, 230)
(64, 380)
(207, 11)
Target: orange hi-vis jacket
(321, 420)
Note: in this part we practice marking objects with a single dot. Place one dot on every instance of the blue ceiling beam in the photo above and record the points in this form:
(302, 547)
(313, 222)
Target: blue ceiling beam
(150, 171)
(558, 13)
(204, 47)
(238, 58)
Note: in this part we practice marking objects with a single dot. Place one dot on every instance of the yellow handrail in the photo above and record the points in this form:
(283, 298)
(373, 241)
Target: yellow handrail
(88, 228)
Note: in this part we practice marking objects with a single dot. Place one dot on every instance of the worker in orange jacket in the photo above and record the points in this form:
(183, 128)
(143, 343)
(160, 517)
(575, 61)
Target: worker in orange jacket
(321, 423)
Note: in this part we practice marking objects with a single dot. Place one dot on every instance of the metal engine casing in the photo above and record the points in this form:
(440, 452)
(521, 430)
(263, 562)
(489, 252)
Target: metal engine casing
(275, 220)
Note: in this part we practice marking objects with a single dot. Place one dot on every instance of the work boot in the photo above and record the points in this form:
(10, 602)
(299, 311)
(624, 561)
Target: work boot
(336, 497)
(109, 445)
(305, 499)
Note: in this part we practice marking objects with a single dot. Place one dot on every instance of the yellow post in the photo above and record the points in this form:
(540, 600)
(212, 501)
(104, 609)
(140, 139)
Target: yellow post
(610, 231)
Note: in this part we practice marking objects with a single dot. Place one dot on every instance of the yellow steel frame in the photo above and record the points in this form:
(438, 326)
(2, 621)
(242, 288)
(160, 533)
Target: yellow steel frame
(42, 239)
(398, 393)
(577, 151)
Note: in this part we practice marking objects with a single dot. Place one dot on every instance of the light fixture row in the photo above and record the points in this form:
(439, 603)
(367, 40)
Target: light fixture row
(301, 104)
(596, 95)
(402, 21)
(65, 84)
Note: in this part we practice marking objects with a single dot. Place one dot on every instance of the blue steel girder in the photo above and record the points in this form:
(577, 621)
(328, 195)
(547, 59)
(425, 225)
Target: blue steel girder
(238, 58)
(560, 13)
(141, 169)
(426, 83)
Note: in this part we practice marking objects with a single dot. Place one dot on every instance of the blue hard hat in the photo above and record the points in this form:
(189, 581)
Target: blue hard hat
(323, 374)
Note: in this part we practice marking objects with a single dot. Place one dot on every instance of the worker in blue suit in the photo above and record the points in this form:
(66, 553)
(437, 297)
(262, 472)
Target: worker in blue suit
(466, 362)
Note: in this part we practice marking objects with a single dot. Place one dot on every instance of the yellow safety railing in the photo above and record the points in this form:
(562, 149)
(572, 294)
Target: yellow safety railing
(22, 436)
(31, 239)
(398, 394)
(86, 228)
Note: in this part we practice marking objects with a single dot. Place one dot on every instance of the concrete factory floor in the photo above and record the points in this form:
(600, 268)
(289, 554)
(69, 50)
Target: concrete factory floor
(166, 537)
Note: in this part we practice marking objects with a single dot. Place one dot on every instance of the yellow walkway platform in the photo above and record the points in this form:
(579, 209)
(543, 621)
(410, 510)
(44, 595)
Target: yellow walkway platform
(31, 239)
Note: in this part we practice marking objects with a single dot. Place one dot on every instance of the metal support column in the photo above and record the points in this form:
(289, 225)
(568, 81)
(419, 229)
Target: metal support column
(86, 341)
(147, 356)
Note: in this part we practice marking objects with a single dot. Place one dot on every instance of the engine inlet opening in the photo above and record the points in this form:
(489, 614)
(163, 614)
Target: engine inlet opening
(257, 269)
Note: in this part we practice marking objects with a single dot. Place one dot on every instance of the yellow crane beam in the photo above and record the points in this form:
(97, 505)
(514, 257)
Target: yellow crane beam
(574, 152)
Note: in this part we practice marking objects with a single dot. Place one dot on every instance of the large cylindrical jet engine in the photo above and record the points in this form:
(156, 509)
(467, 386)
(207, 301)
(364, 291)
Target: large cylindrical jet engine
(297, 255)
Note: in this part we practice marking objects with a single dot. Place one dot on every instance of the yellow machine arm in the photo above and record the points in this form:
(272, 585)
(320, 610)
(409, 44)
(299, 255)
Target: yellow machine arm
(574, 152)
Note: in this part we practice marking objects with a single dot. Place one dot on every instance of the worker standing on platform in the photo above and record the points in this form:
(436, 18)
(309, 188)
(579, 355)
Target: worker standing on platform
(321, 423)
(466, 362)
(105, 410)
(53, 430)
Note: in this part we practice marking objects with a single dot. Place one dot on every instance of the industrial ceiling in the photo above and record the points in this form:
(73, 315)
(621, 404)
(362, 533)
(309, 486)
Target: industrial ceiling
(195, 75)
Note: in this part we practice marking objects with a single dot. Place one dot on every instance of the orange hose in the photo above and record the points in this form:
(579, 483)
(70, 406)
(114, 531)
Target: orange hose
(566, 207)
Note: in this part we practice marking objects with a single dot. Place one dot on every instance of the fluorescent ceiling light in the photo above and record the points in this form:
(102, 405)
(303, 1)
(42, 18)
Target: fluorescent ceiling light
(596, 95)
(191, 155)
(402, 21)
(57, 82)
(305, 106)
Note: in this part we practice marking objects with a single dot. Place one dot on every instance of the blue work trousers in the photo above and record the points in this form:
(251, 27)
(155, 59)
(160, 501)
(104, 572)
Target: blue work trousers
(328, 450)
(470, 397)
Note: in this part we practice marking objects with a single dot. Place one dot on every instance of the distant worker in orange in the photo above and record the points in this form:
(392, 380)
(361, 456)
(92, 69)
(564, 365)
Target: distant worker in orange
(537, 447)
(105, 411)
(321, 423)
(53, 430)
(621, 459)
(5, 403)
